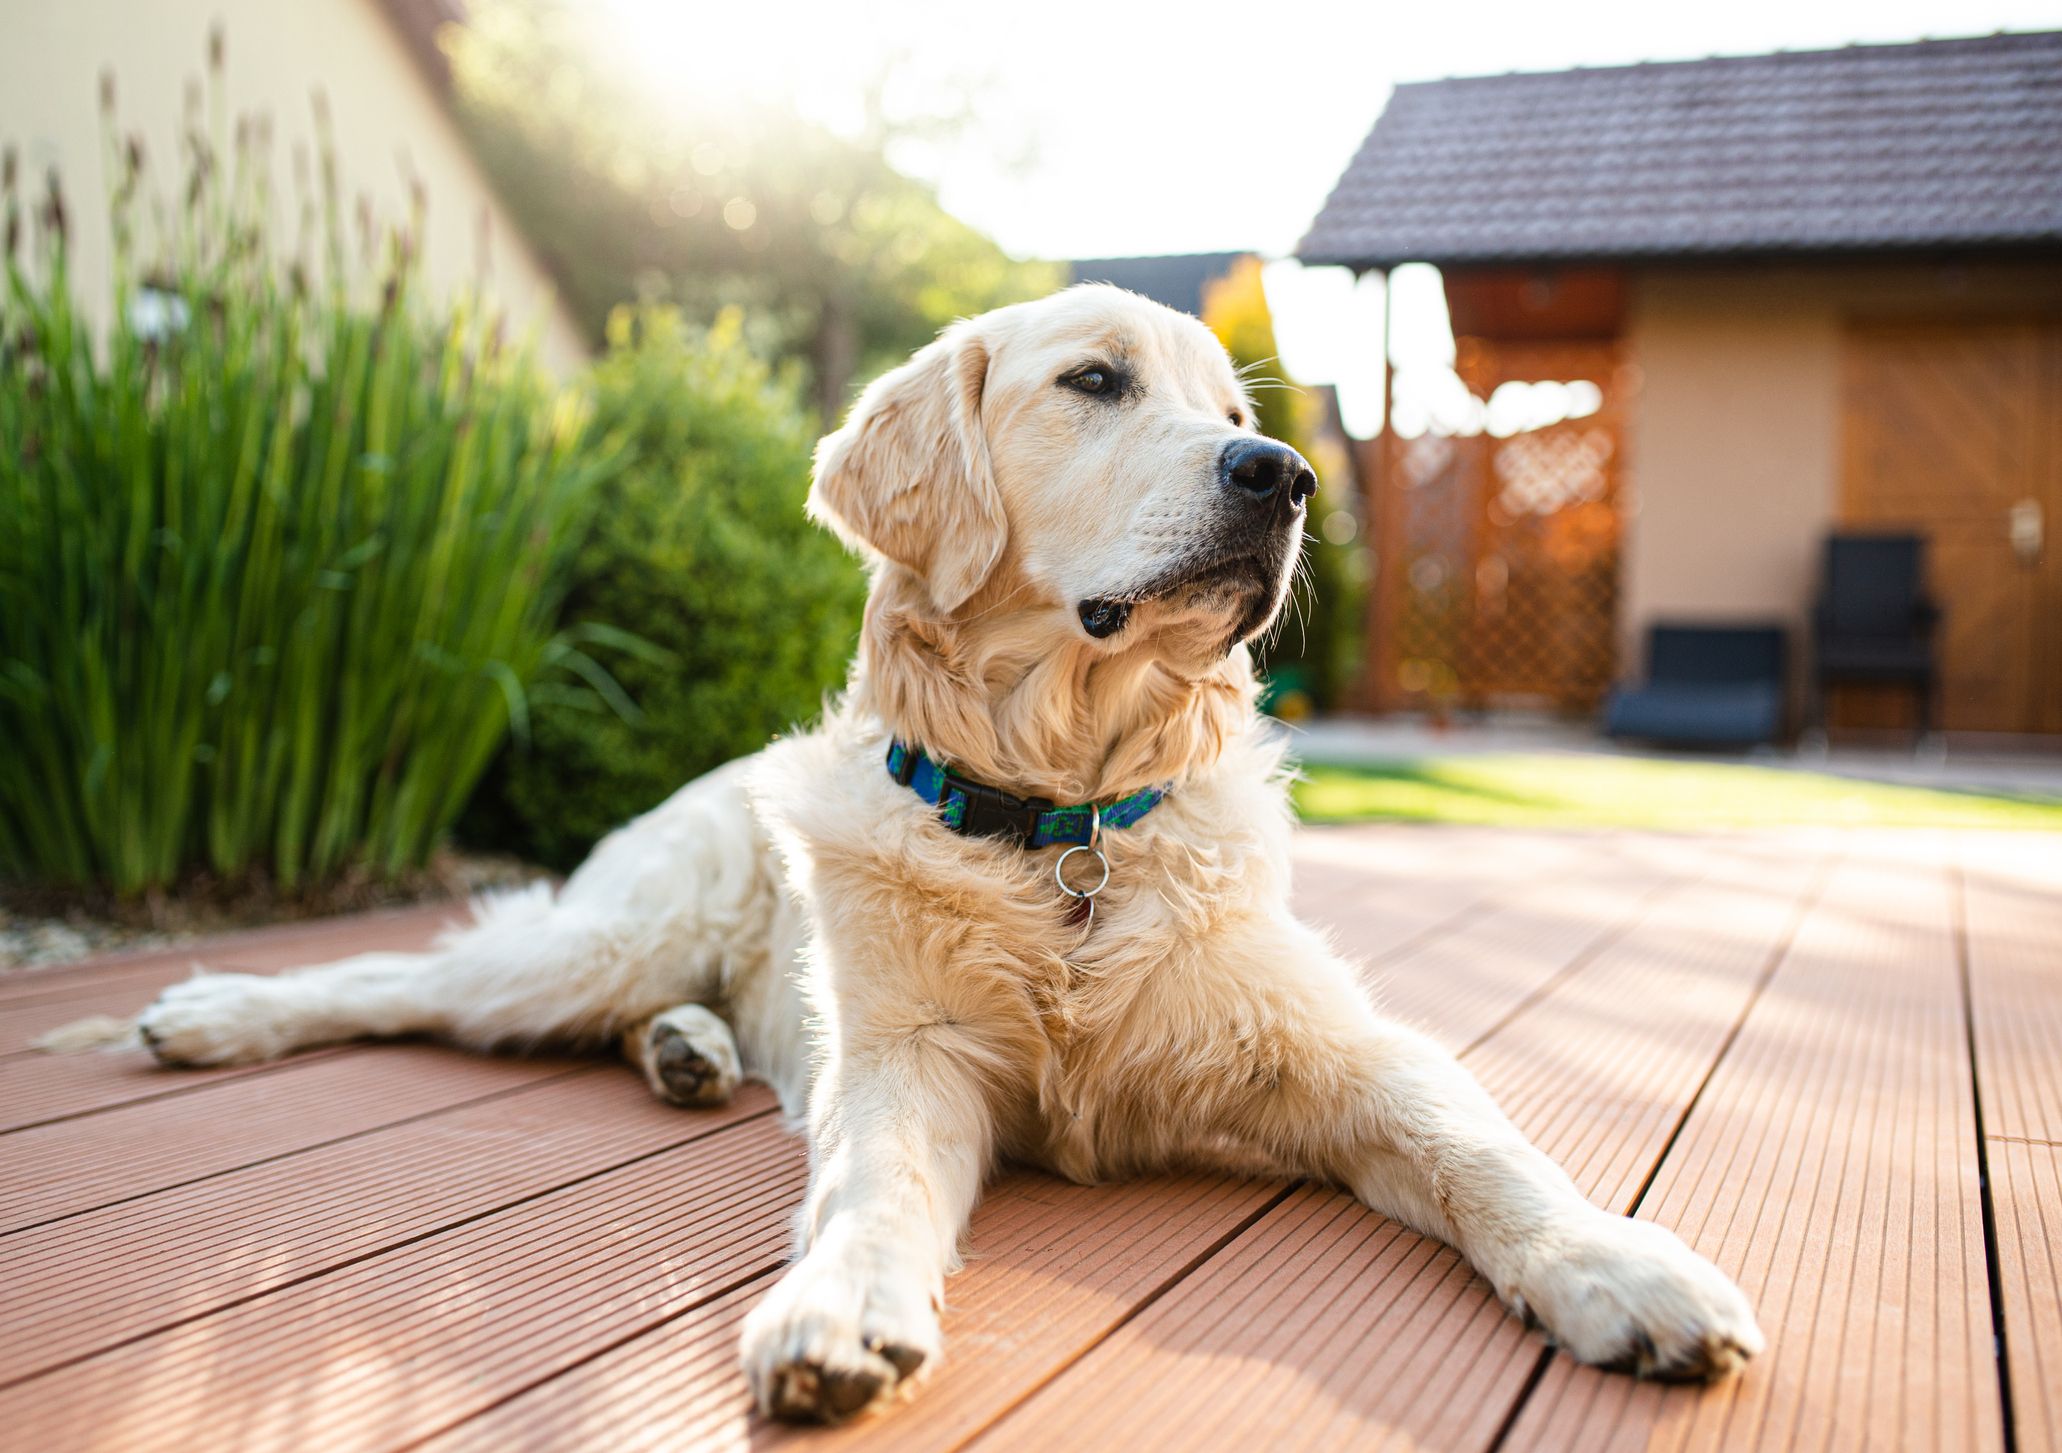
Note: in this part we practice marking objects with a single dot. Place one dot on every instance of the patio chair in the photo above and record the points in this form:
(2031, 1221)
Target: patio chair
(1874, 623)
(1707, 686)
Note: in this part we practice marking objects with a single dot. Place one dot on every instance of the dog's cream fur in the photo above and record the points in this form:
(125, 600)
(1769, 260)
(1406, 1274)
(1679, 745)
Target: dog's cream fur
(926, 998)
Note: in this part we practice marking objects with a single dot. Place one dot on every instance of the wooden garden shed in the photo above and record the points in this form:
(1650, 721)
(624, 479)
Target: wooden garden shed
(1815, 290)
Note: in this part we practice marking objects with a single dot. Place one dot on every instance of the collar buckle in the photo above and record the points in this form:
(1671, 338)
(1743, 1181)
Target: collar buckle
(992, 812)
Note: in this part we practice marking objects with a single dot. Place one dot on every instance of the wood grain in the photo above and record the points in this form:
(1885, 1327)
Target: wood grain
(1056, 1266)
(36, 1088)
(2012, 909)
(78, 1286)
(1830, 1165)
(1947, 427)
(1334, 1321)
(2026, 1192)
(399, 1346)
(1385, 893)
(402, 1246)
(281, 946)
(134, 1150)
(2012, 916)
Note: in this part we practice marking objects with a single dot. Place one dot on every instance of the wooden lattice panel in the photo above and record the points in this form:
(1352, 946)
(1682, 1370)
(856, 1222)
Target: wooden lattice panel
(1498, 557)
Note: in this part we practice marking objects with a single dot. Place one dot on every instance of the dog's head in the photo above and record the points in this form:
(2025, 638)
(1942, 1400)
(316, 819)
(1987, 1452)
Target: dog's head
(1089, 458)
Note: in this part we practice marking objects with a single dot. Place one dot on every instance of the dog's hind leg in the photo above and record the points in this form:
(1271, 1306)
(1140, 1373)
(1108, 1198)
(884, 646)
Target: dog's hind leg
(687, 1055)
(227, 1019)
(525, 973)
(675, 909)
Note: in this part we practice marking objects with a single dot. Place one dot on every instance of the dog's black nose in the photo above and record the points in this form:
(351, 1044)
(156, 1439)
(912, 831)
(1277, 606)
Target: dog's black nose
(1264, 471)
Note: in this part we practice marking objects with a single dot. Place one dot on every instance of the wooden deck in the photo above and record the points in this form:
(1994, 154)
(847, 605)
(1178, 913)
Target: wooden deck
(1832, 1061)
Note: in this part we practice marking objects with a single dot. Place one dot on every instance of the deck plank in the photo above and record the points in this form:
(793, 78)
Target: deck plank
(80, 1285)
(261, 950)
(1386, 893)
(1831, 1165)
(68, 994)
(393, 1349)
(1055, 1267)
(1339, 1323)
(45, 999)
(62, 1169)
(2012, 909)
(23, 1022)
(275, 947)
(87, 978)
(388, 1245)
(2026, 1192)
(2012, 915)
(1459, 985)
(37, 1089)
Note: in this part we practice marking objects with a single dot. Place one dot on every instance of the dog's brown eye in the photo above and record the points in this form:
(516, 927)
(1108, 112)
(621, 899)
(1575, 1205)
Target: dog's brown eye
(1106, 381)
(1238, 420)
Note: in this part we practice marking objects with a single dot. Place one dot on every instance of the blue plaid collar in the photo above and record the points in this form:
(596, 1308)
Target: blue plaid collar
(981, 811)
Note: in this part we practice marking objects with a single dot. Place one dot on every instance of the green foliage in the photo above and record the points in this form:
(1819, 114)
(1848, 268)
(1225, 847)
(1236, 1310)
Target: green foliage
(1315, 653)
(277, 561)
(841, 262)
(747, 612)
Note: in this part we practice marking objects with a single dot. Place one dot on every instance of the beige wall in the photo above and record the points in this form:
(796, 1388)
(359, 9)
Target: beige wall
(52, 53)
(1734, 447)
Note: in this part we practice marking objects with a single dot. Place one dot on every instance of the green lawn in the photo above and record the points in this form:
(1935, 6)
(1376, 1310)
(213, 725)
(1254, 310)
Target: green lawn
(1567, 790)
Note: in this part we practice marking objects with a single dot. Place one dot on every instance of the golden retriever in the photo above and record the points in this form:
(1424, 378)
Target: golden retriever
(1074, 531)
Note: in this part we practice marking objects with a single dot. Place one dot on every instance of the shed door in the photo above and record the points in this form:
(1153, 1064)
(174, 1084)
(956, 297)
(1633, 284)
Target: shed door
(1955, 430)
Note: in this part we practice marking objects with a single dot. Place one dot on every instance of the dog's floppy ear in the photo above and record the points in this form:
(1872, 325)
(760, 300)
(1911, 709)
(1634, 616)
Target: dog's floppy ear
(908, 476)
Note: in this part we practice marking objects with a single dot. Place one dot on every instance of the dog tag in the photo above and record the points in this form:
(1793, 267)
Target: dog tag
(1084, 898)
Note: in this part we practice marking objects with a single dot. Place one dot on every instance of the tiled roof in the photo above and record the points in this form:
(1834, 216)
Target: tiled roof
(1177, 280)
(1950, 144)
(419, 22)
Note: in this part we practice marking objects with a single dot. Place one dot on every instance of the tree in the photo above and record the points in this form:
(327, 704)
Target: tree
(837, 259)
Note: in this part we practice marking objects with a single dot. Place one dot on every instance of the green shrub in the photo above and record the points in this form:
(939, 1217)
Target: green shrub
(699, 547)
(277, 558)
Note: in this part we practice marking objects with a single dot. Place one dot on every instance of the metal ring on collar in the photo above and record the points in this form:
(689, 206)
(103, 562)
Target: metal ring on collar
(1059, 874)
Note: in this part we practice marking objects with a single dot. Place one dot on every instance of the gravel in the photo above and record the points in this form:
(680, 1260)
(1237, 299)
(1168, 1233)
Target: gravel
(39, 930)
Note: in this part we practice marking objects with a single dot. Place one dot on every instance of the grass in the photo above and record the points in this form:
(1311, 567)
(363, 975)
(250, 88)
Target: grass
(1566, 790)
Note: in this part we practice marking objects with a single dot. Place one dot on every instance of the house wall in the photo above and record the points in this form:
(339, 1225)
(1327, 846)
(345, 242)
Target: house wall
(1735, 436)
(279, 53)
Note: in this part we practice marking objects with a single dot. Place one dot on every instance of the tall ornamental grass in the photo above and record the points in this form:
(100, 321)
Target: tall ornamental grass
(278, 557)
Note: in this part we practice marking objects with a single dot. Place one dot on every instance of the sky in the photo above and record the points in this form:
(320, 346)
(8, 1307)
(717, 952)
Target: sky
(1116, 129)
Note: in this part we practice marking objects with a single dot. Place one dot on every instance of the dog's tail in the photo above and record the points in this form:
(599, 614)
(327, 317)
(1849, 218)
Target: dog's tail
(98, 1031)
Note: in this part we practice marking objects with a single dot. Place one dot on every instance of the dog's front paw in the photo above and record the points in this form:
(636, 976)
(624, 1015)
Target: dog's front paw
(1629, 1296)
(218, 1019)
(837, 1336)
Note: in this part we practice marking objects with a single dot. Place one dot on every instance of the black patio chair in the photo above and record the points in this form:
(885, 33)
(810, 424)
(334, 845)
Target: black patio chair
(1874, 623)
(1707, 686)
